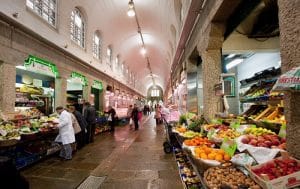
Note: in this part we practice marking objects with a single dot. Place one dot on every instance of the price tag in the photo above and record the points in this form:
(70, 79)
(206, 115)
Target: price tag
(210, 134)
(282, 132)
(229, 146)
(3, 132)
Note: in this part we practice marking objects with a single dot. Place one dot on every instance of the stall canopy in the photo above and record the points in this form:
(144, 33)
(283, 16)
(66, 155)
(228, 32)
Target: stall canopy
(97, 85)
(42, 66)
(77, 77)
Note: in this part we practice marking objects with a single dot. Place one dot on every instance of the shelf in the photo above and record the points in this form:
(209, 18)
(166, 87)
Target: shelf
(266, 80)
(263, 99)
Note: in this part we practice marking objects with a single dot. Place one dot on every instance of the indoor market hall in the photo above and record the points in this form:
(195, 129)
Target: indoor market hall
(149, 94)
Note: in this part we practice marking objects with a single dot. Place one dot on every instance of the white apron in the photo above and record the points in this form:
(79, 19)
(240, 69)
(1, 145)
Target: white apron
(66, 132)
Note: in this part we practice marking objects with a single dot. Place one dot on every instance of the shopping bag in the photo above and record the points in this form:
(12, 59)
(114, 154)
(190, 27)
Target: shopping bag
(130, 121)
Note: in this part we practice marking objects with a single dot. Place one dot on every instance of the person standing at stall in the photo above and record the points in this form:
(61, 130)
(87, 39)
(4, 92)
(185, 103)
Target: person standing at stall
(111, 118)
(66, 134)
(80, 137)
(135, 117)
(90, 117)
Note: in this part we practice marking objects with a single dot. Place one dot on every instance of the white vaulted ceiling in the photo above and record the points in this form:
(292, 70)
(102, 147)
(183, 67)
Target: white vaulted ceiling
(159, 23)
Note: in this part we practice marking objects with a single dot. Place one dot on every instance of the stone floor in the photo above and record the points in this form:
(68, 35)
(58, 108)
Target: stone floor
(129, 160)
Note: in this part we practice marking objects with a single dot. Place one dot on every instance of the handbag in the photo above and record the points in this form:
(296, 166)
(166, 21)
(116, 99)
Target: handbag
(130, 121)
(75, 124)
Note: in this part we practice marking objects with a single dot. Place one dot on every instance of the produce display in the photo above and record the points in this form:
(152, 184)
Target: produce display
(215, 126)
(191, 134)
(267, 140)
(277, 168)
(228, 177)
(198, 141)
(229, 133)
(186, 171)
(258, 131)
(181, 129)
(205, 152)
(9, 132)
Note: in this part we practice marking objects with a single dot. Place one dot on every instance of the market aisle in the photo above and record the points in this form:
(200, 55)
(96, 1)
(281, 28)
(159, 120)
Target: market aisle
(128, 158)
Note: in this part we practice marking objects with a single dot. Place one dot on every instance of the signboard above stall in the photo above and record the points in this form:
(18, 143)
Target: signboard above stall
(97, 85)
(79, 78)
(35, 64)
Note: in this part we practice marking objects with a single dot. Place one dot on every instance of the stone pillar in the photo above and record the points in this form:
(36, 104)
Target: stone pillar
(61, 91)
(7, 87)
(211, 70)
(289, 24)
(61, 88)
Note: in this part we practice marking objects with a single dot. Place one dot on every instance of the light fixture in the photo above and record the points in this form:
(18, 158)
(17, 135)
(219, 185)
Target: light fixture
(230, 56)
(131, 12)
(143, 50)
(234, 63)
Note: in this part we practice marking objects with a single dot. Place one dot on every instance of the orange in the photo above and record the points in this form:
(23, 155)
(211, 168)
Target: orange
(203, 156)
(227, 157)
(211, 156)
(221, 151)
(219, 157)
(207, 150)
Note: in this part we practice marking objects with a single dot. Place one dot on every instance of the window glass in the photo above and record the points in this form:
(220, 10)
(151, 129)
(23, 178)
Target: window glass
(77, 28)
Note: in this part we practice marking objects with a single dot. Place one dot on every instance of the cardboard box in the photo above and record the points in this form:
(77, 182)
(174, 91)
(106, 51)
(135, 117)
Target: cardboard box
(285, 182)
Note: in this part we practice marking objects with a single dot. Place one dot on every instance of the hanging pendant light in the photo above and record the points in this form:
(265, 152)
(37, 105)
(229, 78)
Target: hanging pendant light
(131, 12)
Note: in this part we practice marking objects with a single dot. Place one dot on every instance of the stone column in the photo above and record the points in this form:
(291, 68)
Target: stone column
(61, 88)
(289, 24)
(87, 90)
(211, 70)
(7, 87)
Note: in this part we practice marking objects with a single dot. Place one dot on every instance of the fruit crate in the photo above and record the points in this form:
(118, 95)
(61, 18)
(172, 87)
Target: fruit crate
(288, 181)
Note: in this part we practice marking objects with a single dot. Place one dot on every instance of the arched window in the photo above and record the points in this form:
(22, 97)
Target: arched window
(46, 9)
(97, 45)
(77, 28)
(109, 56)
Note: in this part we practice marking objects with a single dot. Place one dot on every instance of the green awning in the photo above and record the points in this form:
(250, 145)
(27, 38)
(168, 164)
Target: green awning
(35, 64)
(82, 78)
(97, 85)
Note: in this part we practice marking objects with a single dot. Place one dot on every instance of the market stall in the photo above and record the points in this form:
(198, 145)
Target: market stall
(233, 153)
(35, 84)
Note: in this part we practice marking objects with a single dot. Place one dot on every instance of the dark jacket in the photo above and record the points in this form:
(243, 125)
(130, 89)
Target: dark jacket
(80, 120)
(112, 113)
(135, 114)
(90, 114)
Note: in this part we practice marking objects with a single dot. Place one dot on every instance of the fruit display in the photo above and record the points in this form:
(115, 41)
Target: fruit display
(8, 132)
(258, 131)
(277, 168)
(208, 153)
(181, 129)
(266, 140)
(228, 177)
(196, 124)
(191, 134)
(198, 141)
(229, 133)
(208, 127)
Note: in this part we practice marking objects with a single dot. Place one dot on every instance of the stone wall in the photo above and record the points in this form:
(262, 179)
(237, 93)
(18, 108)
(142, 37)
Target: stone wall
(289, 23)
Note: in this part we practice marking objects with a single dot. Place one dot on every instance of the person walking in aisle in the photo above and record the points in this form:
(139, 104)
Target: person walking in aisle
(90, 117)
(80, 137)
(157, 115)
(129, 114)
(111, 118)
(66, 133)
(135, 117)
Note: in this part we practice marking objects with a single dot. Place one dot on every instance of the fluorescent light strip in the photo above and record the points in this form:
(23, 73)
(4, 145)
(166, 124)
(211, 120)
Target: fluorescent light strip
(234, 63)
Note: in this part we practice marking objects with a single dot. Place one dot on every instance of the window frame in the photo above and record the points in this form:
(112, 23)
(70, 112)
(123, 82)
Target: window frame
(96, 47)
(73, 26)
(39, 13)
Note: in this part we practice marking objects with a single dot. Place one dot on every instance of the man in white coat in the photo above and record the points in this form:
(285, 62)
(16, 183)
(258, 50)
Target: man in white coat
(66, 133)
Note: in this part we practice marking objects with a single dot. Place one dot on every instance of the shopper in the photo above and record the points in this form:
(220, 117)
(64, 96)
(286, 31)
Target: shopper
(80, 137)
(90, 117)
(66, 133)
(129, 115)
(135, 117)
(112, 118)
(157, 115)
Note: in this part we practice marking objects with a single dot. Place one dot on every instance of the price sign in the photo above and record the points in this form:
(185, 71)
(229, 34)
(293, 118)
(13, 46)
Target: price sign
(282, 132)
(229, 146)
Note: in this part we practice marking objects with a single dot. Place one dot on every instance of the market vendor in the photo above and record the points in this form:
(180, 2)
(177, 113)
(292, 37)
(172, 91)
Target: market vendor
(66, 134)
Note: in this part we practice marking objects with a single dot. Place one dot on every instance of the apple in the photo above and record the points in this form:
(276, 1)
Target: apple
(245, 140)
(253, 142)
(268, 143)
(283, 140)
